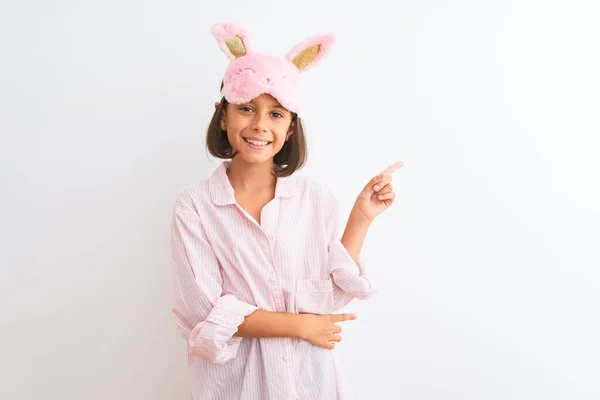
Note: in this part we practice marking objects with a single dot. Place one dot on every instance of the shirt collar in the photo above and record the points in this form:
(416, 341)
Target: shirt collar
(222, 194)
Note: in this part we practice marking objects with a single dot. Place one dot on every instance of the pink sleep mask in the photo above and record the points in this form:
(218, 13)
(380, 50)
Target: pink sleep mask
(250, 74)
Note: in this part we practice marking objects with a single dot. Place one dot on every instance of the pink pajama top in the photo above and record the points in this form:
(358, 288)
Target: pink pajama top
(226, 266)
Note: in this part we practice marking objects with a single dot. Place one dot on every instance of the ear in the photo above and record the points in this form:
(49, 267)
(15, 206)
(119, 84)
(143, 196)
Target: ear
(232, 39)
(309, 52)
(217, 105)
(290, 131)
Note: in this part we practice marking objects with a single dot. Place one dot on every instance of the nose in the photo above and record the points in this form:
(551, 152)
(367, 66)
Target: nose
(259, 124)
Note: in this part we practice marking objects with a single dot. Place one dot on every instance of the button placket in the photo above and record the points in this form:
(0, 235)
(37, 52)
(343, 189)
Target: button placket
(283, 374)
(278, 299)
(276, 289)
(269, 216)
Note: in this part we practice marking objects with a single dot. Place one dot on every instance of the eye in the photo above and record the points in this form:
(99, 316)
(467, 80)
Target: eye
(246, 109)
(277, 114)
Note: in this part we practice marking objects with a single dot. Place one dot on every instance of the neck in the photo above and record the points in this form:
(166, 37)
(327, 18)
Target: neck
(251, 177)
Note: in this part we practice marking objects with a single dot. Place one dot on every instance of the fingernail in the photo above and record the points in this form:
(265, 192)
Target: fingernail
(376, 187)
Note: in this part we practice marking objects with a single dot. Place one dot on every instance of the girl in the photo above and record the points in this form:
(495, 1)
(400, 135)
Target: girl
(259, 264)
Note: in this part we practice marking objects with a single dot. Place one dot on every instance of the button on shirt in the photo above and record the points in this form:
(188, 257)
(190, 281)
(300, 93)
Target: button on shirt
(226, 266)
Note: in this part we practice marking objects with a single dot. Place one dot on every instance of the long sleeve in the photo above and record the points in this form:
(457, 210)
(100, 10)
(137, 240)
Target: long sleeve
(206, 318)
(352, 280)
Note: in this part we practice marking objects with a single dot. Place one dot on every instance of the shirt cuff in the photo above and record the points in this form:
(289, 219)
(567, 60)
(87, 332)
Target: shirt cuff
(350, 276)
(230, 312)
(213, 339)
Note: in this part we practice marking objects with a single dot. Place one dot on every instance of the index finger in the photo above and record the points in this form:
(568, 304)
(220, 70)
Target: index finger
(392, 168)
(342, 317)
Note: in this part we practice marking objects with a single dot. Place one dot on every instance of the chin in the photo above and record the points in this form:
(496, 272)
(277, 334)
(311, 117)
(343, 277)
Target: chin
(256, 159)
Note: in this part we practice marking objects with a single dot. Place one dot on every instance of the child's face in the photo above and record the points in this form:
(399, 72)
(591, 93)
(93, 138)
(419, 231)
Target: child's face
(257, 130)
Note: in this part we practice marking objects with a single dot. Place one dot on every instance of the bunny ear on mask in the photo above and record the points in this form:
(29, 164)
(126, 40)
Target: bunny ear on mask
(310, 51)
(232, 39)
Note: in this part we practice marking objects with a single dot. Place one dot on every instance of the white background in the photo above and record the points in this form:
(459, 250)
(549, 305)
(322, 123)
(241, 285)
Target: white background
(489, 260)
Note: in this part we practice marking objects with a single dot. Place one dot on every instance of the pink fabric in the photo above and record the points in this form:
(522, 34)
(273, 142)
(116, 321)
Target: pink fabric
(226, 266)
(253, 74)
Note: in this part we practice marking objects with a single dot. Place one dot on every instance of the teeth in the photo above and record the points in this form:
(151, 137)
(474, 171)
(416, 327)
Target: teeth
(257, 142)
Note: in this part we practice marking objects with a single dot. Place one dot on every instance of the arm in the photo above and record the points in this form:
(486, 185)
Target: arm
(269, 324)
(376, 197)
(346, 269)
(319, 330)
(355, 234)
(206, 318)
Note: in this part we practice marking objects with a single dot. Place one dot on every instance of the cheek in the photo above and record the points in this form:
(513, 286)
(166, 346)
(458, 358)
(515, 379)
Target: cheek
(234, 127)
(233, 133)
(230, 136)
(281, 136)
(286, 130)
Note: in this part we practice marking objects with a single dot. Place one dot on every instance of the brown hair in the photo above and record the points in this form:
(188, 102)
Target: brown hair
(290, 158)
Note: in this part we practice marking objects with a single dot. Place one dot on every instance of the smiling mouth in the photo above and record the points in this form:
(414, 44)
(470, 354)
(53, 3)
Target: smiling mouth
(258, 143)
